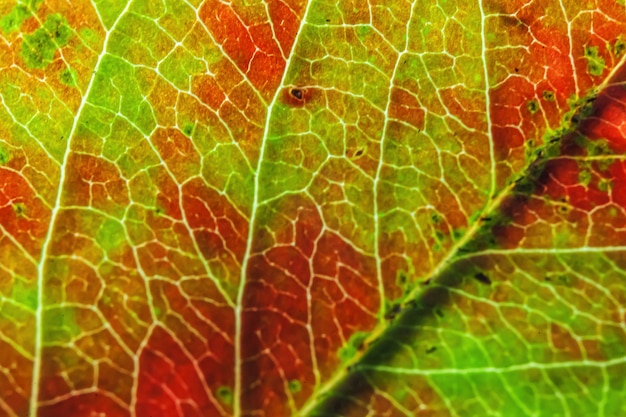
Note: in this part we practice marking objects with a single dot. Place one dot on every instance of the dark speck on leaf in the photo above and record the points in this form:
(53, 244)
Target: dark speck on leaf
(393, 312)
(297, 93)
(359, 152)
(431, 349)
(328, 20)
(516, 69)
(482, 278)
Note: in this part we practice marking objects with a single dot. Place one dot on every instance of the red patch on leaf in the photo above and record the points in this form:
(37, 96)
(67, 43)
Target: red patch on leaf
(94, 182)
(607, 119)
(22, 213)
(220, 229)
(251, 41)
(171, 382)
(208, 91)
(405, 107)
(90, 404)
(178, 152)
(303, 284)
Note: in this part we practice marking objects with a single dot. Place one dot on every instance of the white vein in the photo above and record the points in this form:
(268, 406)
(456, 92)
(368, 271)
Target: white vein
(38, 345)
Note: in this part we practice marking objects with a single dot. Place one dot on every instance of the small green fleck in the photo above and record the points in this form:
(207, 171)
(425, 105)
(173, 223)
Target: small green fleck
(5, 156)
(619, 47)
(436, 218)
(404, 281)
(548, 95)
(458, 233)
(363, 31)
(530, 150)
(584, 177)
(106, 299)
(69, 77)
(225, 395)
(188, 129)
(605, 185)
(294, 386)
(595, 63)
(400, 393)
(533, 106)
(354, 344)
(19, 209)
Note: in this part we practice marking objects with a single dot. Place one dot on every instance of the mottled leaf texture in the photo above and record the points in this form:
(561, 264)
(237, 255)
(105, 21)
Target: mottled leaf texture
(312, 208)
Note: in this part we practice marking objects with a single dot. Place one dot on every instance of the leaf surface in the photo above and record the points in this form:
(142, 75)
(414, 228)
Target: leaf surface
(291, 207)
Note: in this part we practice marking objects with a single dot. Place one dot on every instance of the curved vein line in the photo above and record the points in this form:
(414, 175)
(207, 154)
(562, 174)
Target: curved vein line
(34, 392)
(255, 205)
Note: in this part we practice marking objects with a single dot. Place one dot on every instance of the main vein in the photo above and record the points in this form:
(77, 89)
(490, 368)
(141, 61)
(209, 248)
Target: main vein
(251, 228)
(38, 345)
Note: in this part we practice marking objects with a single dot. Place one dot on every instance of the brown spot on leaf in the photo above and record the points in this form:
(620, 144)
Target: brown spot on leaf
(297, 97)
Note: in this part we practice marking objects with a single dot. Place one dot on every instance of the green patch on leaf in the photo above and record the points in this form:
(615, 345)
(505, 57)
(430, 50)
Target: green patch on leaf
(530, 150)
(69, 77)
(39, 47)
(19, 209)
(5, 156)
(584, 176)
(533, 106)
(179, 66)
(59, 325)
(595, 63)
(90, 37)
(605, 185)
(225, 395)
(619, 47)
(404, 281)
(363, 31)
(13, 21)
(595, 147)
(188, 129)
(110, 235)
(457, 234)
(24, 294)
(294, 386)
(354, 344)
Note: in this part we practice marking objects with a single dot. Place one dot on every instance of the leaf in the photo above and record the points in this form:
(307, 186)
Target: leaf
(312, 208)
